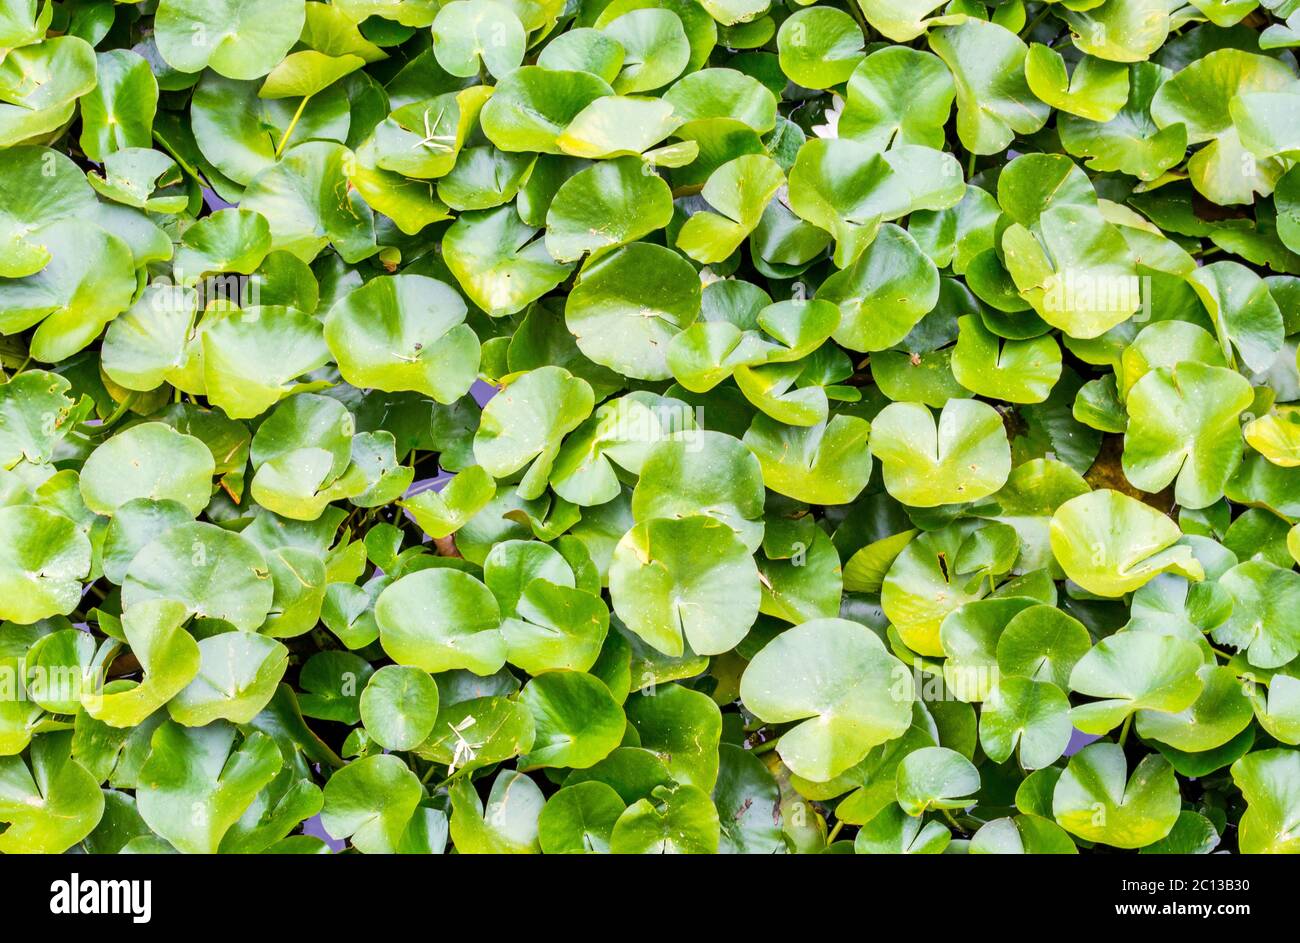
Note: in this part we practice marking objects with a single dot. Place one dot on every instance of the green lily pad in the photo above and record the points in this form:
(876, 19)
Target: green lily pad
(404, 332)
(197, 783)
(235, 40)
(1023, 834)
(677, 819)
(237, 676)
(994, 101)
(578, 722)
(884, 294)
(555, 627)
(702, 472)
(309, 205)
(1131, 141)
(962, 458)
(308, 72)
(89, 280)
(898, 94)
(1120, 32)
(370, 802)
(819, 46)
(1246, 318)
(680, 581)
(1218, 714)
(522, 427)
(1031, 717)
(740, 189)
(469, 32)
(969, 637)
(837, 678)
(1199, 98)
(532, 106)
(935, 778)
(1183, 423)
(1263, 622)
(1096, 89)
(1042, 643)
(826, 463)
(399, 706)
(49, 806)
(628, 305)
(153, 461)
(610, 204)
(214, 573)
(44, 558)
(1135, 671)
(1094, 801)
(682, 727)
(1019, 371)
(252, 358)
(1111, 544)
(119, 112)
(849, 188)
(506, 824)
(478, 732)
(167, 654)
(62, 193)
(579, 819)
(441, 619)
(618, 126)
(894, 832)
(1267, 780)
(498, 261)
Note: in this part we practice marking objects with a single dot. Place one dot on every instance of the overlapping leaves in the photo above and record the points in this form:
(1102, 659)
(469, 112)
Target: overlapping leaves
(649, 426)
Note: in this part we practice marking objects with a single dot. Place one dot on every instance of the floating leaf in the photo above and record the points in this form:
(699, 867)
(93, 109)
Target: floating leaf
(216, 574)
(1094, 800)
(685, 581)
(451, 426)
(935, 778)
(153, 461)
(404, 332)
(627, 306)
(994, 102)
(48, 807)
(964, 457)
(578, 722)
(1111, 544)
(1135, 671)
(837, 678)
(197, 783)
(234, 40)
(1183, 424)
(441, 619)
(1267, 780)
(43, 560)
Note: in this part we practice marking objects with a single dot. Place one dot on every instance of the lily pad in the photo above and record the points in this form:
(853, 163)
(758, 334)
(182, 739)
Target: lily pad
(837, 678)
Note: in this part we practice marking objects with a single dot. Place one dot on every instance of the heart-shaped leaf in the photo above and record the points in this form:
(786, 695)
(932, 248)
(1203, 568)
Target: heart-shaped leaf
(837, 678)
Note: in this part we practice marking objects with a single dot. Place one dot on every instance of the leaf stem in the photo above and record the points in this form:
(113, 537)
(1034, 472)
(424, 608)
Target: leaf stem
(284, 139)
(857, 15)
(1123, 731)
(1042, 15)
(834, 832)
(116, 416)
